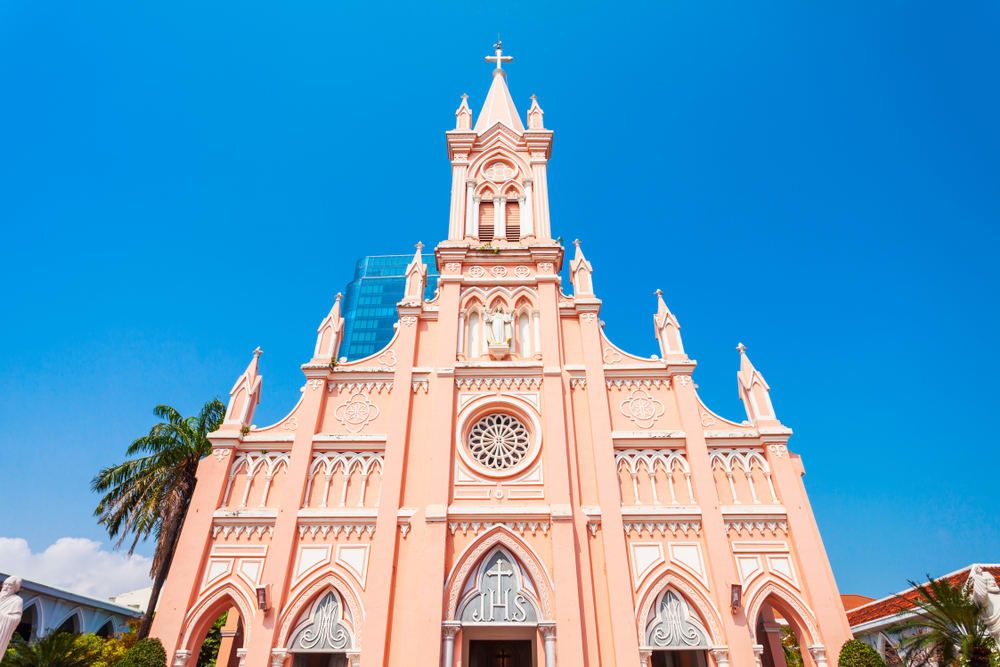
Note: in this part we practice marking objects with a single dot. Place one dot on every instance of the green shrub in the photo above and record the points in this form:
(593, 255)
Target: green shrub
(856, 653)
(145, 653)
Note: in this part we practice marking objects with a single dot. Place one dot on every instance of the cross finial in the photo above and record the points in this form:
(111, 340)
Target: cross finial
(420, 245)
(741, 347)
(499, 58)
(257, 351)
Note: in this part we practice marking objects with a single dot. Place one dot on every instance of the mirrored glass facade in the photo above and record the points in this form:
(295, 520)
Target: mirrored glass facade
(370, 302)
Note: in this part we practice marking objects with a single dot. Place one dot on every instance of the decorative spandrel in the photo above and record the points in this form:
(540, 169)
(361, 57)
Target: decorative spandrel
(499, 592)
(673, 624)
(323, 627)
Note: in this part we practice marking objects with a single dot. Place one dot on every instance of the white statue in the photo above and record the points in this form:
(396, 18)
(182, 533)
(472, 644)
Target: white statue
(498, 327)
(985, 592)
(11, 607)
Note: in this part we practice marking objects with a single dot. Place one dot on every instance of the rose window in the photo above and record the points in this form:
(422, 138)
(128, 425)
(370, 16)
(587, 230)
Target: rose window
(498, 441)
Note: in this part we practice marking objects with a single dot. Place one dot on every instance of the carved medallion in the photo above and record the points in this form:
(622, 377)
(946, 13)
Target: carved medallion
(642, 409)
(356, 412)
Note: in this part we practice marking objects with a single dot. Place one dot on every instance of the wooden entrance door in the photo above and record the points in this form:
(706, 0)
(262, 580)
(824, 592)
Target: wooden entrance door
(500, 653)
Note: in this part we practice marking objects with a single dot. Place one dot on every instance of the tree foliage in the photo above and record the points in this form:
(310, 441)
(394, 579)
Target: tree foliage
(148, 494)
(145, 653)
(949, 628)
(57, 649)
(856, 653)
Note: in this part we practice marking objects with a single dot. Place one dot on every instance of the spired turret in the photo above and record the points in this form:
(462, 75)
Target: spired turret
(329, 335)
(499, 191)
(245, 395)
(668, 331)
(755, 392)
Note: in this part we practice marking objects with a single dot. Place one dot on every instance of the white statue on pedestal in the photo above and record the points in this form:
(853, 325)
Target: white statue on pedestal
(985, 592)
(498, 327)
(11, 607)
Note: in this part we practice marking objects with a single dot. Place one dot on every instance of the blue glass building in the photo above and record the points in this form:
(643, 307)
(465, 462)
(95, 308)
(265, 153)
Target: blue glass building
(370, 302)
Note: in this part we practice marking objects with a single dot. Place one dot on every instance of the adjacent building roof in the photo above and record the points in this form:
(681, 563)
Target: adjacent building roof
(890, 607)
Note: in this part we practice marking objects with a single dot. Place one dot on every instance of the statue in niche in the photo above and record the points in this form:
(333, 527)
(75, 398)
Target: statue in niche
(11, 608)
(499, 327)
(982, 586)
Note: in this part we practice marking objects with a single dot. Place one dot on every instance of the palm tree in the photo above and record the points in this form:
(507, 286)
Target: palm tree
(57, 649)
(948, 628)
(149, 493)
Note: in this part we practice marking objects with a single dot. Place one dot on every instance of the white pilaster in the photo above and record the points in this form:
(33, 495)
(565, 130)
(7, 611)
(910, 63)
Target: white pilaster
(527, 219)
(548, 631)
(471, 205)
(448, 631)
(500, 218)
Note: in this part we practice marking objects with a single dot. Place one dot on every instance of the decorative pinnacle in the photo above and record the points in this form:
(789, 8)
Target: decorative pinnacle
(465, 97)
(257, 352)
(741, 347)
(337, 298)
(658, 292)
(576, 242)
(420, 245)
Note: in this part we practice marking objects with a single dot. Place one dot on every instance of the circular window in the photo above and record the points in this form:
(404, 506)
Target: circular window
(498, 441)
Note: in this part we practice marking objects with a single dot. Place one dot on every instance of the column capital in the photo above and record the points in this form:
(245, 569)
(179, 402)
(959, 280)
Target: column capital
(450, 628)
(721, 655)
(548, 629)
(818, 653)
(181, 658)
(278, 657)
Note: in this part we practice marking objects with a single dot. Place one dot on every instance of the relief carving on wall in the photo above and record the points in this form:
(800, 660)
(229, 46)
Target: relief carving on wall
(356, 412)
(642, 409)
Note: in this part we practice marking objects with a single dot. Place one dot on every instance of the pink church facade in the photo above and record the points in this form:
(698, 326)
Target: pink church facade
(501, 486)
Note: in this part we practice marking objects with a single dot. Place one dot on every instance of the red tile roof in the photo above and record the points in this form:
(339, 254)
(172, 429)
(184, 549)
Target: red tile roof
(892, 605)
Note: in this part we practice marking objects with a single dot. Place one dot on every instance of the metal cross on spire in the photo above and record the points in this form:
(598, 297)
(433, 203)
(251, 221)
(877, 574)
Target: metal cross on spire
(499, 58)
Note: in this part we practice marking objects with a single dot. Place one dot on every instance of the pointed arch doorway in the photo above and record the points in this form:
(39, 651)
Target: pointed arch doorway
(675, 635)
(499, 618)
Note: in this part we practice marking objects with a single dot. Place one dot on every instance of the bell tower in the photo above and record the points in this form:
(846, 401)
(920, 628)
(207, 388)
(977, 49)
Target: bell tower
(499, 192)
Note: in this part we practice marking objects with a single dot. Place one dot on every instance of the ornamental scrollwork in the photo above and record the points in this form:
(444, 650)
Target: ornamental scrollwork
(779, 451)
(522, 272)
(672, 624)
(356, 412)
(499, 271)
(477, 272)
(325, 629)
(642, 409)
(220, 454)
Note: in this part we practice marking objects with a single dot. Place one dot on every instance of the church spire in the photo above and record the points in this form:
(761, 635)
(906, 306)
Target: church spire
(668, 331)
(499, 107)
(754, 391)
(245, 394)
(329, 334)
(416, 278)
(581, 273)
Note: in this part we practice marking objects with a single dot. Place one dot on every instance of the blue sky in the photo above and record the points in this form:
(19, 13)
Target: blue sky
(180, 182)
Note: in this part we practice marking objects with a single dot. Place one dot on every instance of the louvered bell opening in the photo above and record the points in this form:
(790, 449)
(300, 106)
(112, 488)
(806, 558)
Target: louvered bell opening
(513, 221)
(486, 222)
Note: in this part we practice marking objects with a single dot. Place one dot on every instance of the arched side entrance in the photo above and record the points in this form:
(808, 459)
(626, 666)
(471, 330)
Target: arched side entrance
(500, 601)
(223, 615)
(783, 626)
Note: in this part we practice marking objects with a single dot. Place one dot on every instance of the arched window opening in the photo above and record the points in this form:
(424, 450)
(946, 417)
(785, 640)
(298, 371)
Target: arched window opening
(474, 339)
(524, 348)
(71, 624)
(29, 620)
(486, 221)
(512, 212)
(106, 630)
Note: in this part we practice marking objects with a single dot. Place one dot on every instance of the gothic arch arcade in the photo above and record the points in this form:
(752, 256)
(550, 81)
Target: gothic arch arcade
(501, 485)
